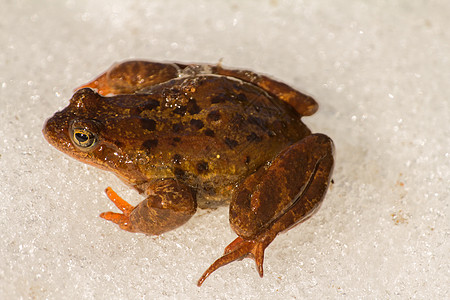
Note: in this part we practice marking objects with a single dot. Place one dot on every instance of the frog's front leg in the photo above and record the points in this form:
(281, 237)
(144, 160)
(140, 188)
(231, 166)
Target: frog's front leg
(131, 76)
(169, 205)
(277, 197)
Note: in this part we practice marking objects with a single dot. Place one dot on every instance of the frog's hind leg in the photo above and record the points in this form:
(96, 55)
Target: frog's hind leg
(131, 76)
(303, 104)
(277, 198)
(168, 206)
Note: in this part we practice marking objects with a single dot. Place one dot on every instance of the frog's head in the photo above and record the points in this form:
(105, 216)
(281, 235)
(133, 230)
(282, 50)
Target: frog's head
(98, 131)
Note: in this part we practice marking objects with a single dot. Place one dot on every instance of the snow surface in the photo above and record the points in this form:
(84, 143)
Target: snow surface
(380, 71)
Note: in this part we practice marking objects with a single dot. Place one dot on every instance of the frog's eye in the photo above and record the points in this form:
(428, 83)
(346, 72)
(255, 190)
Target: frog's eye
(84, 138)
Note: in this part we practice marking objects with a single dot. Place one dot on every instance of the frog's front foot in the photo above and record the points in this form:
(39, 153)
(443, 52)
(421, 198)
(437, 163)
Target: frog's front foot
(123, 219)
(236, 250)
(169, 204)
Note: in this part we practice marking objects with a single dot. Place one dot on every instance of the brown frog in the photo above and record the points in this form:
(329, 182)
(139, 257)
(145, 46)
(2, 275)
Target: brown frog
(191, 136)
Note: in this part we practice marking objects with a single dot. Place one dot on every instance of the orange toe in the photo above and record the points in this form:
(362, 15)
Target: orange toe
(238, 249)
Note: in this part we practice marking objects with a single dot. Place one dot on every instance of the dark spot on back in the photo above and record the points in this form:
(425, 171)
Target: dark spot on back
(209, 132)
(176, 139)
(118, 144)
(177, 127)
(192, 107)
(150, 144)
(148, 124)
(177, 159)
(253, 137)
(202, 167)
(255, 120)
(247, 160)
(213, 116)
(241, 97)
(179, 173)
(219, 99)
(180, 110)
(231, 143)
(151, 104)
(197, 124)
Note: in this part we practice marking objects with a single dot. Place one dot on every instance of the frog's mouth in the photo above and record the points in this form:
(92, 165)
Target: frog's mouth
(57, 131)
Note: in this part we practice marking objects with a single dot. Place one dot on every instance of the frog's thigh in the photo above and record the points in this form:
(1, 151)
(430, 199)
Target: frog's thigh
(305, 105)
(169, 205)
(285, 193)
(131, 76)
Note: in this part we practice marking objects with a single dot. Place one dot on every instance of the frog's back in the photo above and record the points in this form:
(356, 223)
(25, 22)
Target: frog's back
(216, 130)
(208, 131)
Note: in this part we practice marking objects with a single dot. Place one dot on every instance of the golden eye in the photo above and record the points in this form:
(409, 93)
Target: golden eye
(84, 138)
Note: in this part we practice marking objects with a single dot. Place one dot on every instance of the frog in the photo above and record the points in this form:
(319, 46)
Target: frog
(200, 136)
